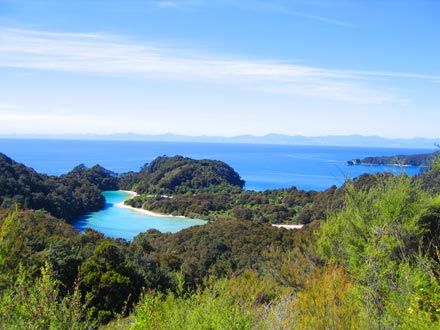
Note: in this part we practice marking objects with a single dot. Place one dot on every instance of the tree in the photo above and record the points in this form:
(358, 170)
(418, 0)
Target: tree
(107, 281)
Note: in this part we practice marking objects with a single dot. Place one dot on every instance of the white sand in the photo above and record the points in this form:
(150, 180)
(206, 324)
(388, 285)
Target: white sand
(132, 193)
(146, 212)
(289, 227)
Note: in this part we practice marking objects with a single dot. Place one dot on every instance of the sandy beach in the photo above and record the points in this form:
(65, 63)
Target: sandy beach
(288, 227)
(146, 212)
(132, 193)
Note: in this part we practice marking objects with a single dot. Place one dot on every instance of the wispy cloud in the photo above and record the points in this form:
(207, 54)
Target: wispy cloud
(320, 18)
(405, 75)
(110, 55)
(277, 7)
(291, 8)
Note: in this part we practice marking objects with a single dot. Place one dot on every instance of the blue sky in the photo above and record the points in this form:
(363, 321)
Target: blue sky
(220, 67)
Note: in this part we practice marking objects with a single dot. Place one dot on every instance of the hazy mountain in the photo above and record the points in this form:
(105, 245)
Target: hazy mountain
(333, 140)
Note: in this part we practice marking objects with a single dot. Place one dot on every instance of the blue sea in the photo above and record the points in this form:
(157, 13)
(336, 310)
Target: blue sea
(261, 166)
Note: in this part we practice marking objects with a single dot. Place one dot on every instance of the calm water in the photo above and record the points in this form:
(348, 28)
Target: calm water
(261, 166)
(114, 221)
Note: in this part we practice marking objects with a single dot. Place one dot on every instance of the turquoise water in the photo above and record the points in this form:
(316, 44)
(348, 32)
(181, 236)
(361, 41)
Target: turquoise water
(261, 166)
(119, 222)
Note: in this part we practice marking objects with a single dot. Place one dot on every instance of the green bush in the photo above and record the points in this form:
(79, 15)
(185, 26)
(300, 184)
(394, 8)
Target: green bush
(38, 305)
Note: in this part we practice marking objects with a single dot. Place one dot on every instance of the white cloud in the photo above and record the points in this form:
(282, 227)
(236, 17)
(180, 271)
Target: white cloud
(405, 75)
(93, 53)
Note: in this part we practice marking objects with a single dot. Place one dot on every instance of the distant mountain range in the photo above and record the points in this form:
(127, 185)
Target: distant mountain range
(332, 140)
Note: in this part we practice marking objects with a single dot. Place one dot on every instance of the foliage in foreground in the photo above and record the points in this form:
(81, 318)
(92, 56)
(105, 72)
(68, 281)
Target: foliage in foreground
(252, 302)
(374, 264)
(380, 270)
(384, 238)
(38, 305)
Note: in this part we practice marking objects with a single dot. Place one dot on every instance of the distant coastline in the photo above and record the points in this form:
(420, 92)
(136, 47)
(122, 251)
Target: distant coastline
(393, 164)
(281, 139)
(417, 160)
(261, 166)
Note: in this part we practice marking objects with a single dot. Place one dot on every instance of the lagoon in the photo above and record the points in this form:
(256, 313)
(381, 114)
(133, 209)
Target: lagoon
(120, 222)
(261, 166)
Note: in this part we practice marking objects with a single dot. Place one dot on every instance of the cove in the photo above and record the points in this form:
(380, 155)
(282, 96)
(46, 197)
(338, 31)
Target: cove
(119, 222)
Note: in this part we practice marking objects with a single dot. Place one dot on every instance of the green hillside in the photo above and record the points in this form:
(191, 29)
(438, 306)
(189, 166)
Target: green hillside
(171, 175)
(66, 197)
(424, 160)
(367, 258)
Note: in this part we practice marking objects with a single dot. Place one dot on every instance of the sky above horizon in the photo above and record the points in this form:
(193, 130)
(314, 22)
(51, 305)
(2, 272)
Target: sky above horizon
(220, 67)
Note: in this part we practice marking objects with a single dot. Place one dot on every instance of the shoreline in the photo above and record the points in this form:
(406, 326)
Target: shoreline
(132, 193)
(146, 212)
(391, 165)
(288, 227)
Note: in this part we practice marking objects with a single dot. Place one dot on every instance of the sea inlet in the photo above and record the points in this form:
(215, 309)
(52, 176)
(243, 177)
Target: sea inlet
(120, 222)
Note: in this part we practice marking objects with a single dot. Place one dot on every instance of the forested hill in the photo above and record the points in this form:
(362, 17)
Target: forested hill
(204, 189)
(178, 174)
(398, 160)
(212, 190)
(97, 175)
(371, 263)
(79, 191)
(66, 197)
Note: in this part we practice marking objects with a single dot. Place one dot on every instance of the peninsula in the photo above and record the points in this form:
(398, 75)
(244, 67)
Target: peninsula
(421, 160)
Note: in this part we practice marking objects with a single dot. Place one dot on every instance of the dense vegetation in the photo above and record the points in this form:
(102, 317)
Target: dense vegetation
(398, 160)
(96, 175)
(367, 259)
(109, 274)
(274, 206)
(373, 265)
(65, 197)
(181, 175)
(222, 202)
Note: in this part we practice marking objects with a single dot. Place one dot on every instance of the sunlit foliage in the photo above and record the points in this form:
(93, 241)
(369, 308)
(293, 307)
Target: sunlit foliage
(368, 257)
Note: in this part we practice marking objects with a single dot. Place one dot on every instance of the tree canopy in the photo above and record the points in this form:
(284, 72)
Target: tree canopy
(367, 258)
(66, 197)
(178, 174)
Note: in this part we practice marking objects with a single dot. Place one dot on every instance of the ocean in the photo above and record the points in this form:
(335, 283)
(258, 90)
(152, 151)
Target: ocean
(261, 166)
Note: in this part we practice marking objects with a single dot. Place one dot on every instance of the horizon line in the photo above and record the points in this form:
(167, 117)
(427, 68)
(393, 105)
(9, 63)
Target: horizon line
(269, 138)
